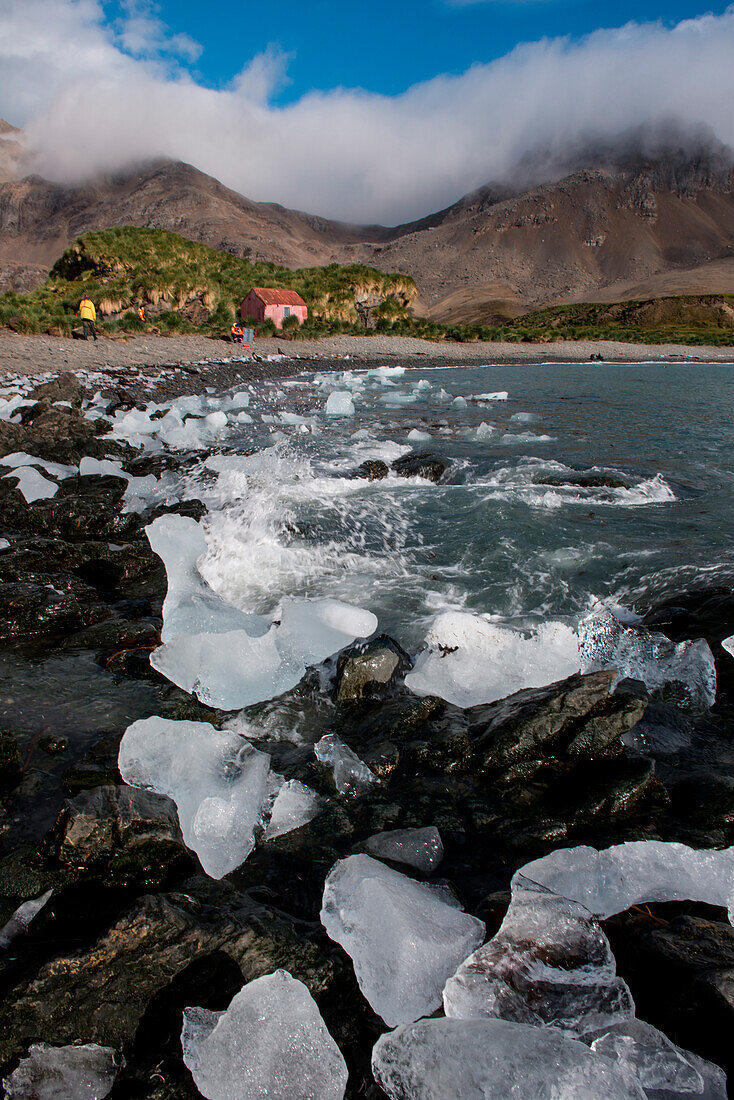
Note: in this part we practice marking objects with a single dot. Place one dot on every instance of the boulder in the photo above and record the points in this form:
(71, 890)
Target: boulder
(372, 470)
(59, 606)
(369, 668)
(427, 466)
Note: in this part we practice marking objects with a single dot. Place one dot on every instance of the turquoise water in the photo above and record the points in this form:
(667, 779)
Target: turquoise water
(493, 537)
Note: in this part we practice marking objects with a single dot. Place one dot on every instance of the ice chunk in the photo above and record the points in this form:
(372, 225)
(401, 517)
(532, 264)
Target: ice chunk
(230, 658)
(611, 880)
(469, 659)
(295, 805)
(403, 939)
(58, 470)
(218, 781)
(32, 484)
(493, 1060)
(237, 401)
(340, 403)
(350, 774)
(499, 395)
(271, 1042)
(21, 918)
(421, 849)
(459, 402)
(4, 544)
(485, 430)
(550, 964)
(524, 418)
(64, 1073)
(418, 437)
(728, 644)
(649, 1056)
(398, 398)
(686, 670)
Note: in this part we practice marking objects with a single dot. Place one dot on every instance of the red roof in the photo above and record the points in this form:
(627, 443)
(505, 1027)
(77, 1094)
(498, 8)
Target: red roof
(278, 297)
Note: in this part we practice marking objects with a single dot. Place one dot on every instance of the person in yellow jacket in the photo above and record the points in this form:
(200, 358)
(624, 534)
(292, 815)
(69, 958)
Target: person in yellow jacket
(88, 314)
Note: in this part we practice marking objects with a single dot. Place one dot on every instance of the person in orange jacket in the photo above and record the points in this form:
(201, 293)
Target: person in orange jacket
(141, 313)
(88, 314)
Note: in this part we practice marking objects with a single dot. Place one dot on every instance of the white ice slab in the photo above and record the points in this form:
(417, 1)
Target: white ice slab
(33, 486)
(493, 1060)
(218, 781)
(403, 939)
(351, 775)
(295, 805)
(64, 1073)
(270, 1042)
(340, 403)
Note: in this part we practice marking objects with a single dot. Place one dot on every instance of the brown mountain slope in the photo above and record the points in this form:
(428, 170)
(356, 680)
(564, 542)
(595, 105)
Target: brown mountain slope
(39, 219)
(596, 232)
(629, 228)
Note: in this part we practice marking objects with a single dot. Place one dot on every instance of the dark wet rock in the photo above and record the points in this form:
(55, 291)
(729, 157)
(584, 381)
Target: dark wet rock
(679, 962)
(64, 388)
(9, 761)
(369, 668)
(57, 434)
(104, 566)
(105, 992)
(372, 470)
(53, 744)
(97, 768)
(194, 509)
(84, 508)
(576, 717)
(427, 466)
(700, 613)
(583, 479)
(130, 834)
(60, 606)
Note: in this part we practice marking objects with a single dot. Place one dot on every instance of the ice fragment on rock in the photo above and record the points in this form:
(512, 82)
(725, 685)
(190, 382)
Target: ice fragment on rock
(421, 849)
(649, 1056)
(728, 644)
(32, 485)
(685, 669)
(218, 781)
(416, 436)
(638, 871)
(493, 1060)
(340, 403)
(21, 918)
(64, 1073)
(295, 805)
(403, 939)
(550, 964)
(350, 773)
(469, 659)
(270, 1043)
(230, 658)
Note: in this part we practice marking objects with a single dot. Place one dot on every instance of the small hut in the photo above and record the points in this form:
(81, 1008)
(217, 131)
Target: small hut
(263, 302)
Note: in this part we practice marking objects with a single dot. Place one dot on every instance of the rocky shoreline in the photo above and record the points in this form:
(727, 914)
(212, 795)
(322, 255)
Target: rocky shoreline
(134, 932)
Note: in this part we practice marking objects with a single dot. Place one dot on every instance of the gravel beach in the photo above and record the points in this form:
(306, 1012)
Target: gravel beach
(34, 355)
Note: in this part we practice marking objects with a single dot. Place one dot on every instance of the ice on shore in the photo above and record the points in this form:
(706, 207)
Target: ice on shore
(493, 1060)
(550, 965)
(32, 484)
(499, 395)
(340, 403)
(218, 781)
(64, 1073)
(609, 881)
(230, 658)
(59, 470)
(469, 659)
(350, 774)
(728, 644)
(21, 919)
(403, 939)
(650, 1057)
(416, 436)
(686, 669)
(421, 849)
(270, 1042)
(295, 805)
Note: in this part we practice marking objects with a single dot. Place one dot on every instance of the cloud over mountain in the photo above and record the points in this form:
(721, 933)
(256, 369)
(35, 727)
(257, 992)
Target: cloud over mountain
(95, 97)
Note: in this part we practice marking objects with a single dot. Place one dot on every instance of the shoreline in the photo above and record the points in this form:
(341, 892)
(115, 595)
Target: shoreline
(149, 355)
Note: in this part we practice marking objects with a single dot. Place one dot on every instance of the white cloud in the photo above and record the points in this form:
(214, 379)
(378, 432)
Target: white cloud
(350, 153)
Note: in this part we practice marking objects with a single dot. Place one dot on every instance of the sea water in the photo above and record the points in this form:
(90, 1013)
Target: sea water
(565, 485)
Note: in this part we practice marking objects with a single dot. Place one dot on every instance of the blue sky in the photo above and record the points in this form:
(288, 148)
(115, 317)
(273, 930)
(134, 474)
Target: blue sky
(388, 45)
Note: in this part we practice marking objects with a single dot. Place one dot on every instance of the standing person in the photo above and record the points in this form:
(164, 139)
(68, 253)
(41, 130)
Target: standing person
(88, 315)
(141, 313)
